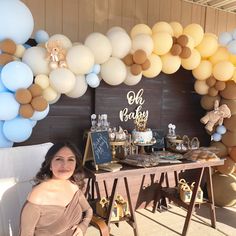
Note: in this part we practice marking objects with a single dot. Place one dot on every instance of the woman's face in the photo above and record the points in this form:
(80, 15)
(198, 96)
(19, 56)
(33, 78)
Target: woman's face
(63, 164)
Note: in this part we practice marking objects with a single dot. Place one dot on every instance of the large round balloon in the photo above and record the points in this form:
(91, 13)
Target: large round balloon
(100, 45)
(39, 115)
(193, 61)
(35, 58)
(18, 129)
(155, 67)
(203, 71)
(16, 75)
(41, 36)
(80, 87)
(223, 70)
(113, 71)
(62, 80)
(201, 87)
(64, 41)
(4, 142)
(195, 31)
(177, 28)
(50, 94)
(170, 63)
(132, 79)
(140, 29)
(162, 42)
(9, 107)
(162, 26)
(143, 42)
(221, 54)
(16, 21)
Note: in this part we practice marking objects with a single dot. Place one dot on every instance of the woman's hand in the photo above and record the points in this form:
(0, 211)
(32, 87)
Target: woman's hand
(78, 231)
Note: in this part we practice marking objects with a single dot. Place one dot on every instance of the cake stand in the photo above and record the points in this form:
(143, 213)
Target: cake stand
(143, 145)
(114, 145)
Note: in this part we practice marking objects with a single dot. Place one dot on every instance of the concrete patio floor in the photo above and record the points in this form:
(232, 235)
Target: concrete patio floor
(171, 222)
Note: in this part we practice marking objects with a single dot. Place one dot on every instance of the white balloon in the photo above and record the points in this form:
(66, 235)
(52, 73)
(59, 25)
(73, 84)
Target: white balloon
(132, 79)
(115, 29)
(144, 42)
(65, 41)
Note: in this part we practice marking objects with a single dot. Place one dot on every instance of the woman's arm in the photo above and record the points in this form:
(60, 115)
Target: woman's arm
(30, 215)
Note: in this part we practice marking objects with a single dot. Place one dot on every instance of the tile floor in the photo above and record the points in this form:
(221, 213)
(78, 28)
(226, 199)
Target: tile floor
(170, 223)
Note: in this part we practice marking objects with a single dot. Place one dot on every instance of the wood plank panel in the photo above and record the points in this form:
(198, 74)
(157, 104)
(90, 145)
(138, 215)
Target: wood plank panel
(221, 22)
(153, 12)
(210, 23)
(115, 12)
(86, 18)
(176, 10)
(231, 21)
(128, 14)
(198, 15)
(165, 10)
(70, 23)
(141, 12)
(53, 16)
(101, 16)
(186, 13)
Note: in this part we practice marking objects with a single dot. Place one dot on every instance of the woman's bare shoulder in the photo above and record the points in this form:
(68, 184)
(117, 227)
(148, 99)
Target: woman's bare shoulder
(37, 194)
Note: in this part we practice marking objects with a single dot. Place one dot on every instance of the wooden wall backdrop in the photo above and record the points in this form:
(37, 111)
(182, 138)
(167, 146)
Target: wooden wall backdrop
(172, 96)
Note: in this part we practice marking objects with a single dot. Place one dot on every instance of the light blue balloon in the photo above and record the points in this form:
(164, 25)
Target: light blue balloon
(232, 46)
(216, 137)
(39, 115)
(92, 80)
(33, 123)
(4, 142)
(221, 129)
(9, 107)
(16, 21)
(26, 46)
(16, 75)
(41, 36)
(225, 38)
(96, 69)
(17, 130)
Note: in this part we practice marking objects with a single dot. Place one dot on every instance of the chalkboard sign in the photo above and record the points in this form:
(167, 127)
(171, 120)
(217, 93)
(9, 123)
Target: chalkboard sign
(101, 151)
(158, 134)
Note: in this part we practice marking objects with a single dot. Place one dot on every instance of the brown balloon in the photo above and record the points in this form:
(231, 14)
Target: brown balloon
(232, 154)
(26, 111)
(220, 85)
(23, 96)
(146, 65)
(229, 91)
(135, 69)
(212, 92)
(211, 81)
(229, 139)
(128, 60)
(230, 124)
(222, 150)
(182, 40)
(139, 57)
(228, 167)
(207, 102)
(176, 49)
(5, 58)
(39, 103)
(35, 90)
(8, 46)
(231, 104)
(186, 52)
(174, 40)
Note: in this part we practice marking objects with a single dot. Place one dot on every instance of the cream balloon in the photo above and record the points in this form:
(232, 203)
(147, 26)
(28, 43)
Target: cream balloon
(80, 59)
(201, 87)
(120, 42)
(35, 58)
(193, 61)
(80, 87)
(113, 71)
(65, 41)
(195, 31)
(162, 42)
(20, 49)
(170, 63)
(177, 28)
(190, 43)
(155, 67)
(55, 100)
(62, 80)
(140, 29)
(232, 58)
(50, 94)
(100, 45)
(221, 54)
(132, 79)
(203, 71)
(223, 70)
(162, 26)
(208, 46)
(144, 42)
(42, 80)
(115, 29)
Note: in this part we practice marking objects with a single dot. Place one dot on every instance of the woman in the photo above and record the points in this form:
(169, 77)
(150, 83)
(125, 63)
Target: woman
(56, 206)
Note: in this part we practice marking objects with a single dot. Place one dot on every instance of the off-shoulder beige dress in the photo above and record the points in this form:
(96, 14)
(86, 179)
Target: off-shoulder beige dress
(52, 220)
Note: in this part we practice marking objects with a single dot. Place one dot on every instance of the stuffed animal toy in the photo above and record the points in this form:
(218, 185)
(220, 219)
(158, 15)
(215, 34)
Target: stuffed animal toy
(216, 116)
(56, 54)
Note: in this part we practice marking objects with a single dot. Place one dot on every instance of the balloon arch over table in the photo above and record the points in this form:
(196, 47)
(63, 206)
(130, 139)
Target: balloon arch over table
(32, 78)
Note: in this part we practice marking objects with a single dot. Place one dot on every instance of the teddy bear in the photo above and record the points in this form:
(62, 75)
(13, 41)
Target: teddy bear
(216, 116)
(56, 54)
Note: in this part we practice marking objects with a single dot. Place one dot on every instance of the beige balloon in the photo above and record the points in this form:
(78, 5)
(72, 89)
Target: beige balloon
(132, 79)
(64, 40)
(100, 46)
(80, 87)
(20, 49)
(80, 59)
(113, 71)
(155, 67)
(140, 29)
(221, 54)
(42, 81)
(115, 28)
(170, 63)
(62, 80)
(144, 42)
(177, 28)
(193, 61)
(55, 100)
(201, 87)
(203, 71)
(195, 31)
(223, 70)
(162, 42)
(49, 94)
(162, 26)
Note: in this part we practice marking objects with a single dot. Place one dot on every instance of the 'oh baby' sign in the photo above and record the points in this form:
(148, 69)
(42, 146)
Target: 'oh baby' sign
(134, 99)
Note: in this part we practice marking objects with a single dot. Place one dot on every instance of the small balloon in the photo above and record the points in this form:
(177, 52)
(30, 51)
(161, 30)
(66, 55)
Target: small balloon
(221, 129)
(216, 137)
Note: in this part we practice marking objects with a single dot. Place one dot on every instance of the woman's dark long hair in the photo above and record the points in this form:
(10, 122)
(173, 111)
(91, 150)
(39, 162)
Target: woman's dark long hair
(45, 173)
